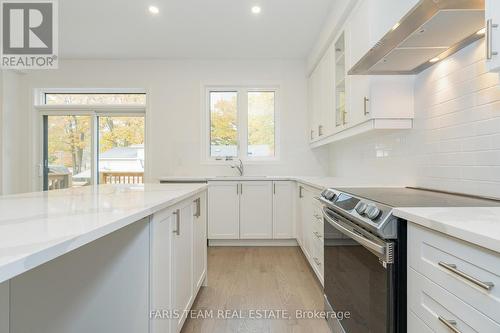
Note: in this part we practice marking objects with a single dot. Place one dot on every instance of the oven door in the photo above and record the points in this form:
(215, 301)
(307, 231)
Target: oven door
(359, 277)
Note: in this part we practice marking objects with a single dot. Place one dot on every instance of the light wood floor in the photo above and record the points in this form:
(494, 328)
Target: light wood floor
(258, 278)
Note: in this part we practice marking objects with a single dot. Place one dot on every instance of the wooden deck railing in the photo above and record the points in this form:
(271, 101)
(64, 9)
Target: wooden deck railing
(121, 177)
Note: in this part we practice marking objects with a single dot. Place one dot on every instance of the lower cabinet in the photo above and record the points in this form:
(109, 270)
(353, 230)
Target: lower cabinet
(256, 210)
(251, 210)
(182, 262)
(178, 262)
(310, 228)
(452, 284)
(283, 215)
(199, 241)
(224, 210)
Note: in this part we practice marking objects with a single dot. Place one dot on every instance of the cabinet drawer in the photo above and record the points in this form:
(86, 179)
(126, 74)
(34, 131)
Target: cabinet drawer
(430, 302)
(452, 264)
(416, 325)
(318, 227)
(317, 258)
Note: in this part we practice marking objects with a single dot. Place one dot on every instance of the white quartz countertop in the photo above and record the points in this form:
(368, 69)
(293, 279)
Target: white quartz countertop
(477, 225)
(317, 182)
(40, 226)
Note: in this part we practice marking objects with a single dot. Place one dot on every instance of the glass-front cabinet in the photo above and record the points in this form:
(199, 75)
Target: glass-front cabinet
(340, 82)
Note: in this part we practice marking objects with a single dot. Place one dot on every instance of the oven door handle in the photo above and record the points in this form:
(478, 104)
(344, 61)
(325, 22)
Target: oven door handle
(379, 249)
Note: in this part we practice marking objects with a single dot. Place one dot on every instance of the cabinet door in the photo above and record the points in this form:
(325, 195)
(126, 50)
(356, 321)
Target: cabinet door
(256, 205)
(182, 259)
(299, 214)
(358, 38)
(223, 203)
(283, 210)
(161, 267)
(359, 99)
(492, 16)
(306, 221)
(199, 241)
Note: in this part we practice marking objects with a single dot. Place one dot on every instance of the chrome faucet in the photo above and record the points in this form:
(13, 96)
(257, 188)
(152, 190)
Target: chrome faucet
(238, 166)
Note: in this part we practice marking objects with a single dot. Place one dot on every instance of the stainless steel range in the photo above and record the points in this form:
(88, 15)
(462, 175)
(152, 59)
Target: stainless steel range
(365, 254)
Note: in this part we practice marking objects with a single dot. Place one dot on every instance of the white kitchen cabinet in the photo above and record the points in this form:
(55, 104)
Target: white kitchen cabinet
(224, 210)
(451, 279)
(305, 220)
(283, 224)
(199, 241)
(161, 267)
(492, 16)
(182, 262)
(310, 228)
(321, 97)
(178, 261)
(4, 307)
(256, 210)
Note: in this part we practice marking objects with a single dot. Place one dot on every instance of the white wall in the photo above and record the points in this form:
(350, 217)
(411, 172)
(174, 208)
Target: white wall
(1, 130)
(455, 143)
(15, 131)
(174, 116)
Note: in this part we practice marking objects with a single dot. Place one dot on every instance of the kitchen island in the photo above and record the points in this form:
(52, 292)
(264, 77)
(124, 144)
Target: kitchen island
(101, 258)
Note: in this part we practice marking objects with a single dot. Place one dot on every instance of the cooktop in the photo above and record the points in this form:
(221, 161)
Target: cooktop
(414, 197)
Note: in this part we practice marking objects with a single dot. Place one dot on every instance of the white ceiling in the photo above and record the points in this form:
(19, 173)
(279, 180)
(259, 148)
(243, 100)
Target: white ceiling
(200, 29)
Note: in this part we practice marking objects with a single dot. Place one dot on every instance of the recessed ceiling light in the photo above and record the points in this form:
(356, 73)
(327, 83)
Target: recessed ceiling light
(395, 26)
(436, 59)
(481, 32)
(256, 9)
(153, 10)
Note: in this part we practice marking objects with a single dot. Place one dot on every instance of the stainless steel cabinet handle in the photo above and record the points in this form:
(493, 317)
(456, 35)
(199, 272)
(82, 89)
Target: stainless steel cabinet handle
(274, 188)
(489, 39)
(177, 230)
(312, 134)
(320, 130)
(365, 102)
(451, 324)
(453, 268)
(198, 207)
(241, 189)
(300, 192)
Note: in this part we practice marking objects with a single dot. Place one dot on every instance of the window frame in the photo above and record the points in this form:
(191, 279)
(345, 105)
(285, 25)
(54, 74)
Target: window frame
(242, 123)
(94, 111)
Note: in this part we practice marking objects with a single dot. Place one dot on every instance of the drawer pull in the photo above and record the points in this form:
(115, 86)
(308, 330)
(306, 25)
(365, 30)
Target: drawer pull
(451, 324)
(453, 268)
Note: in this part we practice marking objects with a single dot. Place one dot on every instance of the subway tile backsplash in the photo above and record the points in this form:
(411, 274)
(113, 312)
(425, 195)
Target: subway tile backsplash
(455, 142)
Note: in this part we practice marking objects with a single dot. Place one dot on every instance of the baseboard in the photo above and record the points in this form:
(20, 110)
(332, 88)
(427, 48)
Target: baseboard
(252, 242)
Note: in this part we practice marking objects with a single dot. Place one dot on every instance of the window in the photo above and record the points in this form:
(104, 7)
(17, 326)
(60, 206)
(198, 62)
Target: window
(242, 124)
(223, 123)
(94, 99)
(90, 144)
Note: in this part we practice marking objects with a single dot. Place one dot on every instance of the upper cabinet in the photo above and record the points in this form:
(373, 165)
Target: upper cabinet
(321, 97)
(343, 105)
(492, 16)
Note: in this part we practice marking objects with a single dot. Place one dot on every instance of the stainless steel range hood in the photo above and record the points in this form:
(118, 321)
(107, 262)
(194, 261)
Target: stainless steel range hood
(433, 29)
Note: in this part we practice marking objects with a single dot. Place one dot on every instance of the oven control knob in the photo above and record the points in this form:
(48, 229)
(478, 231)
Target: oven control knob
(330, 195)
(372, 212)
(361, 207)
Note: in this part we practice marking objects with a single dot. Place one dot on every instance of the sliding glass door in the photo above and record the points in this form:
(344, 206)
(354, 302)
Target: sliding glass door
(68, 151)
(80, 150)
(121, 150)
